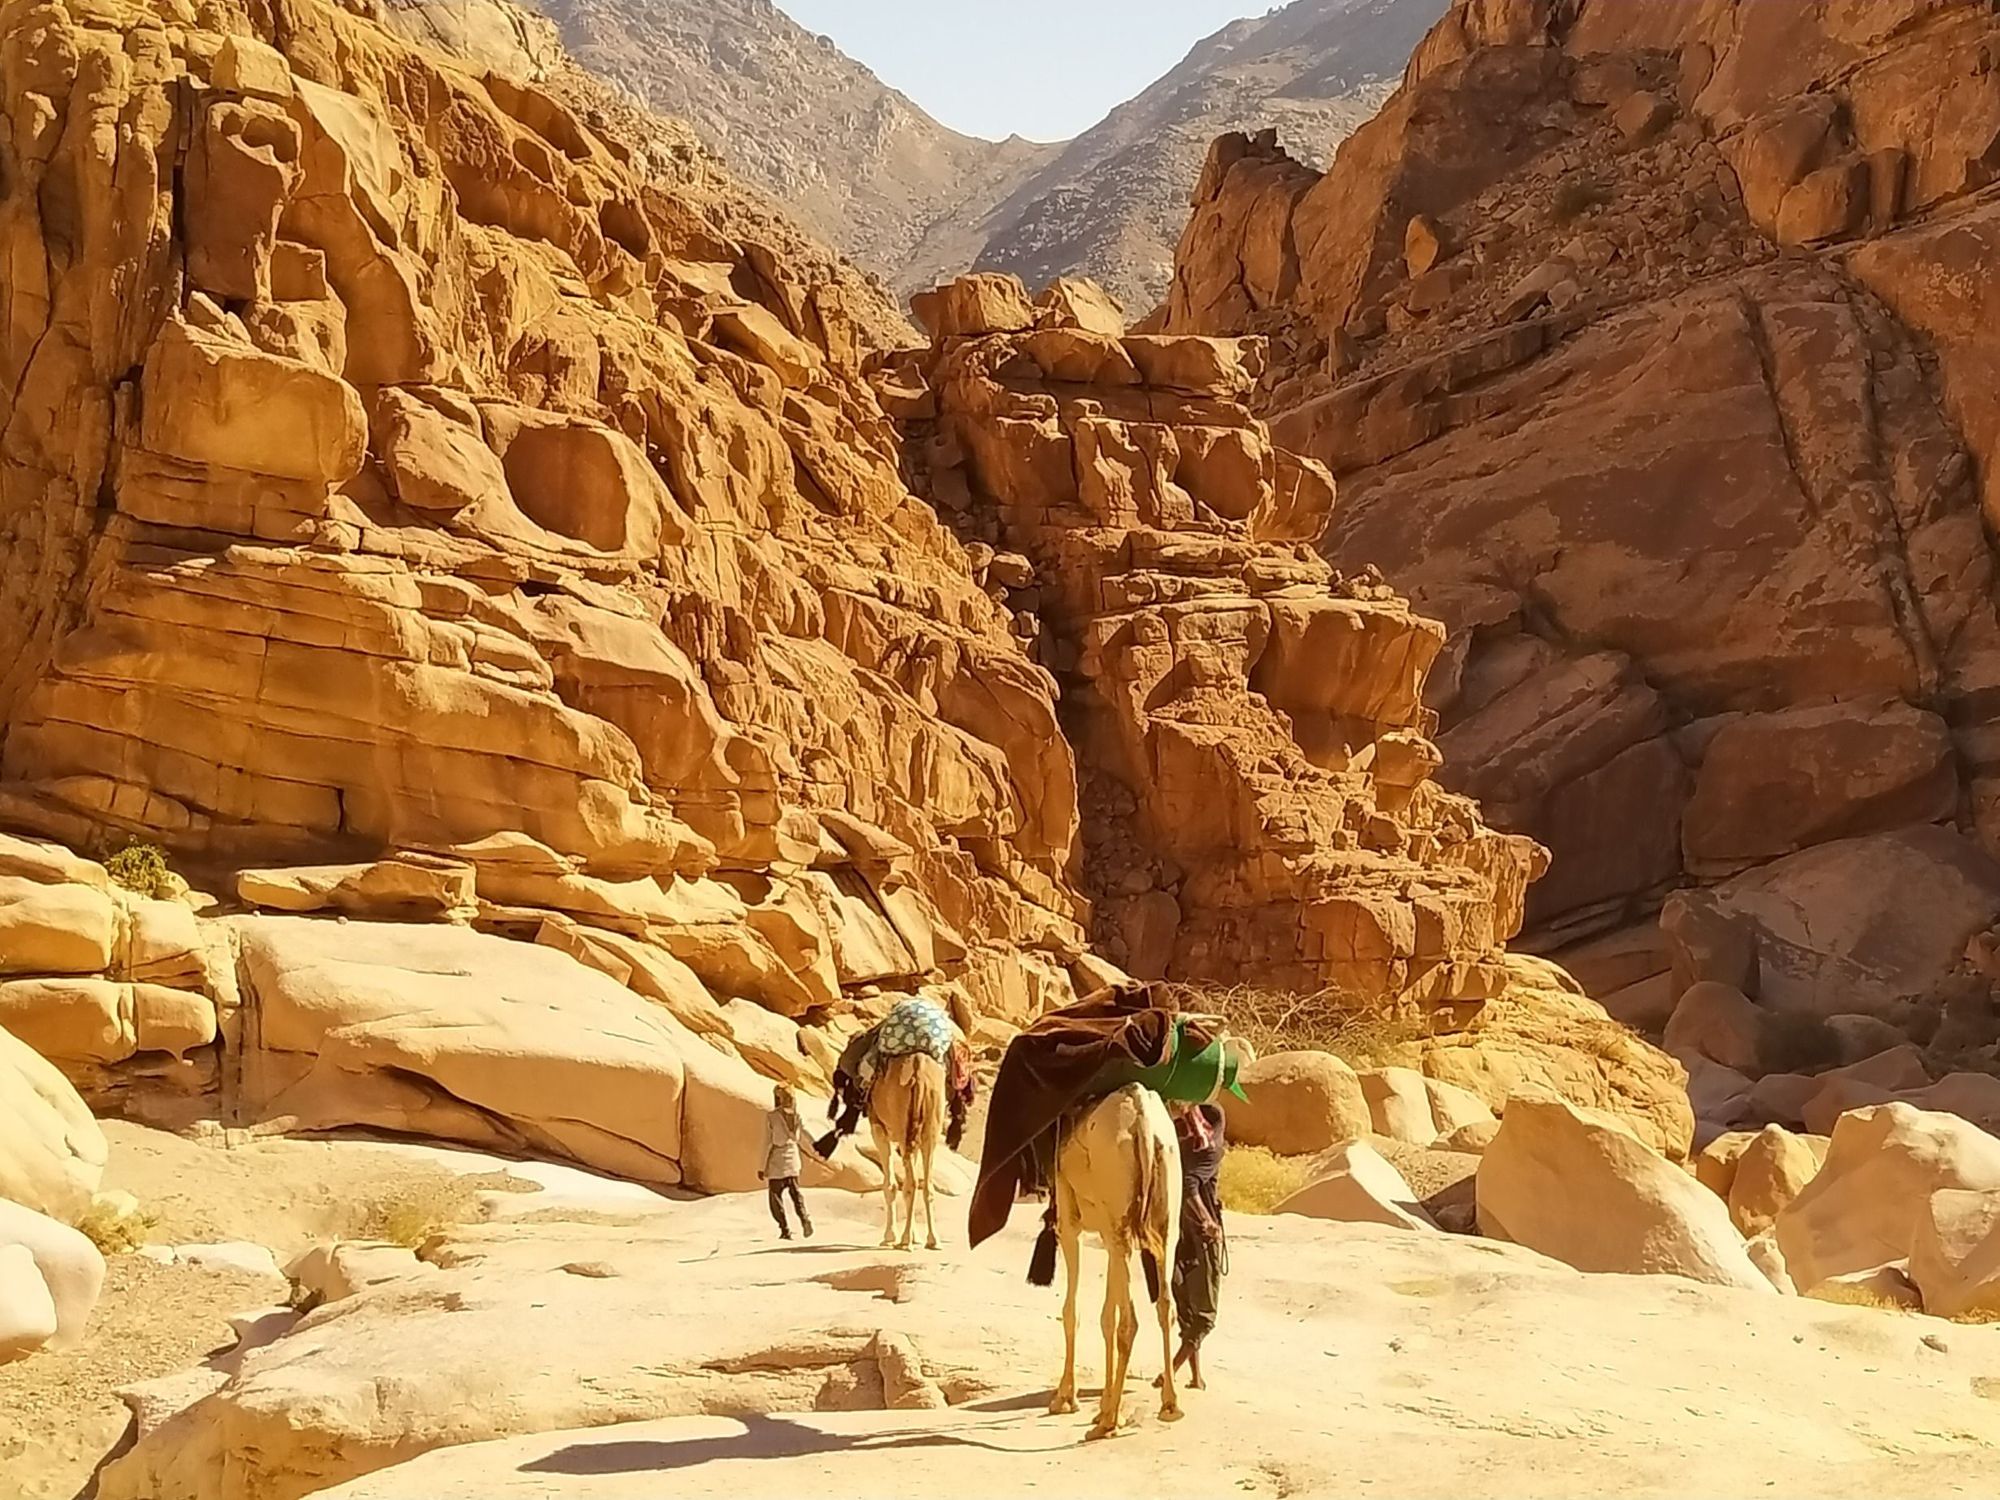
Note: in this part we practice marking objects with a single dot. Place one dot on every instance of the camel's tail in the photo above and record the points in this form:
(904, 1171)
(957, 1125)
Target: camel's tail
(1042, 1264)
(924, 1123)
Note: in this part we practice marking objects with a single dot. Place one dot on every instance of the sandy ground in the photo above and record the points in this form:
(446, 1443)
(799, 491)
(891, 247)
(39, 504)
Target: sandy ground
(1352, 1359)
(60, 1414)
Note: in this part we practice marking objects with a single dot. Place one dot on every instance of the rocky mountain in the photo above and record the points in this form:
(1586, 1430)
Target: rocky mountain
(1651, 346)
(868, 171)
(788, 112)
(1112, 204)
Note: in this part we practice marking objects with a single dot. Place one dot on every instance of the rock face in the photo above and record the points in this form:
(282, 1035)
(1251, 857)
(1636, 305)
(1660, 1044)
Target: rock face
(1590, 1194)
(1257, 779)
(1707, 523)
(435, 479)
(852, 158)
(481, 553)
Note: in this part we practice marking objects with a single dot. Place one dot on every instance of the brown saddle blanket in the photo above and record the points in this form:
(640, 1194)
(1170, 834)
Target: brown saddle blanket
(1049, 1069)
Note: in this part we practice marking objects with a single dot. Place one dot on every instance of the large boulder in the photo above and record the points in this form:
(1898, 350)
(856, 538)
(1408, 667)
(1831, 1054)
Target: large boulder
(1297, 1103)
(457, 1035)
(1541, 1035)
(1355, 1184)
(1865, 1205)
(27, 1310)
(1583, 1189)
(1718, 1022)
(52, 1153)
(1399, 1105)
(1955, 1255)
(54, 928)
(1873, 1080)
(1772, 1170)
(70, 1268)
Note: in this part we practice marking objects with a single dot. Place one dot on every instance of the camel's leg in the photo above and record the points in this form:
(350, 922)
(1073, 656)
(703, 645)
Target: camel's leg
(909, 1187)
(887, 1154)
(1170, 1402)
(930, 1219)
(1069, 1234)
(1120, 1322)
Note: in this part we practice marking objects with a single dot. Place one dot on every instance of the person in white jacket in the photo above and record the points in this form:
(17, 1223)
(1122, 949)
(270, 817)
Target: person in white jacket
(784, 1135)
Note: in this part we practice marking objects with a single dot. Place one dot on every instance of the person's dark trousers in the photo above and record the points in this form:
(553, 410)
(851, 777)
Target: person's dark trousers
(777, 1187)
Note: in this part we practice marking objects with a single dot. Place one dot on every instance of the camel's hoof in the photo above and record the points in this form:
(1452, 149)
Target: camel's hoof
(930, 1244)
(1100, 1429)
(1171, 1413)
(1197, 1384)
(1063, 1406)
(1158, 1381)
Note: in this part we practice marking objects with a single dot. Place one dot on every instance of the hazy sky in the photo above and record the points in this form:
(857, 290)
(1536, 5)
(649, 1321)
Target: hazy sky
(1045, 69)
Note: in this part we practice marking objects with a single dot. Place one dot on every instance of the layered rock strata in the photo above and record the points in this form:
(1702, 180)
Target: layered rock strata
(410, 510)
(1649, 345)
(1257, 770)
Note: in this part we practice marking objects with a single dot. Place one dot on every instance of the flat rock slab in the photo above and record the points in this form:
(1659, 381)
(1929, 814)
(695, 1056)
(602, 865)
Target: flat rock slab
(1430, 1363)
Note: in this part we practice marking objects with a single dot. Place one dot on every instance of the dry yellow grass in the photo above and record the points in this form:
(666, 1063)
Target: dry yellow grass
(1255, 1181)
(1279, 1021)
(414, 1210)
(115, 1229)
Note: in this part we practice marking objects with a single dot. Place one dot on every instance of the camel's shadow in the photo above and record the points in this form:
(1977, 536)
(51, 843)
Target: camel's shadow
(775, 1437)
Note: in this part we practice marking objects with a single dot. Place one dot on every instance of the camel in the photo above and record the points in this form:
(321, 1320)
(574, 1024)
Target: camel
(906, 1108)
(1118, 1176)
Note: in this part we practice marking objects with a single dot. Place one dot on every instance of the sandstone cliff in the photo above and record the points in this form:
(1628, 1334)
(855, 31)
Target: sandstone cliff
(424, 505)
(1648, 345)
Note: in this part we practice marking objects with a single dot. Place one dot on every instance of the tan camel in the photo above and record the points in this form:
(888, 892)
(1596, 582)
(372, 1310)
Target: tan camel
(906, 1108)
(1118, 1176)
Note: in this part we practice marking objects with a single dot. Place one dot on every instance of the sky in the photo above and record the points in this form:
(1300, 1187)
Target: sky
(1045, 69)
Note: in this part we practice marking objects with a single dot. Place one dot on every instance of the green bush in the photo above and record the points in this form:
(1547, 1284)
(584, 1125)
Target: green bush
(142, 869)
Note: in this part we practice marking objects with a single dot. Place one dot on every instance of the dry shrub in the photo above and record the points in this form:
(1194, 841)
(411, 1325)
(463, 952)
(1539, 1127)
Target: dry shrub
(1255, 1181)
(1280, 1021)
(413, 1210)
(1576, 196)
(114, 1228)
(142, 870)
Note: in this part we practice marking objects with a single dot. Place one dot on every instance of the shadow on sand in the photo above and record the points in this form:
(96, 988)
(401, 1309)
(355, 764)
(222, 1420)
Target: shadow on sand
(775, 1437)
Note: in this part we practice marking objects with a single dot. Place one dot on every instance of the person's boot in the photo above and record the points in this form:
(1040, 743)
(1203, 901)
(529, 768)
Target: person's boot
(785, 1231)
(806, 1224)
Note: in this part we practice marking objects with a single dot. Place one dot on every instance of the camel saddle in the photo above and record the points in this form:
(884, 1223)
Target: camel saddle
(1126, 1033)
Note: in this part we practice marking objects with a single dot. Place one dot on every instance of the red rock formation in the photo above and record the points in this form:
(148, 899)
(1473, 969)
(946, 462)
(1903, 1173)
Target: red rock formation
(1257, 772)
(1650, 345)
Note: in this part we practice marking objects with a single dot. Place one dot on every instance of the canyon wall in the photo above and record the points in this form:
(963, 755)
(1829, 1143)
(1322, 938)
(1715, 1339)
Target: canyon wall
(1648, 346)
(478, 552)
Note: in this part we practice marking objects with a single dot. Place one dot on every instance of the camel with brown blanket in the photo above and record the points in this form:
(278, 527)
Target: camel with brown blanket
(1118, 1176)
(906, 1109)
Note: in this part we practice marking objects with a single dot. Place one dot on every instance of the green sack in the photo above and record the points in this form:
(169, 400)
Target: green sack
(1186, 1077)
